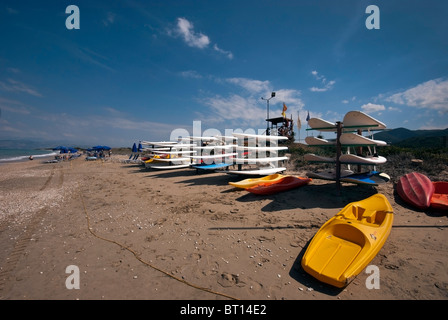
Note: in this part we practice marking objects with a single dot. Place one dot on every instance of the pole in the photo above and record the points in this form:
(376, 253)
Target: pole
(338, 154)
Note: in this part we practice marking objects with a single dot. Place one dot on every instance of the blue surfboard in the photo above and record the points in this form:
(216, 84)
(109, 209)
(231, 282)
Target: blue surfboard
(211, 166)
(373, 178)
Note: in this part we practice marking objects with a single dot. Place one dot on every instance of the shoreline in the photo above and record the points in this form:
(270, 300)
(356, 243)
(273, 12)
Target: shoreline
(196, 228)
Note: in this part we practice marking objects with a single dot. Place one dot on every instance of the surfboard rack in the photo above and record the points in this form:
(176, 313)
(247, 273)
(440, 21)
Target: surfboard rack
(356, 121)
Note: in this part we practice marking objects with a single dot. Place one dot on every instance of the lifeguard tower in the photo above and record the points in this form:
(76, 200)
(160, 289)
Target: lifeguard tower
(280, 126)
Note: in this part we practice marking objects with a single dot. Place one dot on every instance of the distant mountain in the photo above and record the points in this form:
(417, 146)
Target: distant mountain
(403, 137)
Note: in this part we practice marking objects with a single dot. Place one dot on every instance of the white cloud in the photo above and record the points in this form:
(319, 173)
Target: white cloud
(327, 85)
(110, 19)
(253, 86)
(371, 108)
(247, 107)
(228, 54)
(432, 94)
(191, 74)
(291, 98)
(236, 107)
(16, 86)
(186, 30)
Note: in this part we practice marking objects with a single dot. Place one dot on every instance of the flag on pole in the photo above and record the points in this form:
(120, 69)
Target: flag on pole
(284, 110)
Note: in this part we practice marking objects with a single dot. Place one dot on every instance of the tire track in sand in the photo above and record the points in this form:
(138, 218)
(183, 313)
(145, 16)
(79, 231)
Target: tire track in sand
(23, 240)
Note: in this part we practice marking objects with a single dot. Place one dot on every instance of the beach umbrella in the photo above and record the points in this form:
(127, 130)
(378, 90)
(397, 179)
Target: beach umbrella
(101, 148)
(140, 147)
(134, 148)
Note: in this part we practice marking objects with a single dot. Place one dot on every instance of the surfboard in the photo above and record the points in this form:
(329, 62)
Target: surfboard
(258, 160)
(180, 159)
(259, 136)
(367, 160)
(213, 147)
(259, 172)
(314, 141)
(328, 174)
(159, 143)
(214, 156)
(321, 125)
(371, 178)
(361, 120)
(175, 152)
(354, 139)
(226, 138)
(212, 166)
(193, 138)
(261, 148)
(169, 167)
(311, 157)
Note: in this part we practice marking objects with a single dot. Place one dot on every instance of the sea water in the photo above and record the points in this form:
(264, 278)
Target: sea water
(12, 155)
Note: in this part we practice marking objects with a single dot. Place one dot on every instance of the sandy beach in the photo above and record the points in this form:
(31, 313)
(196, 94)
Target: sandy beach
(180, 235)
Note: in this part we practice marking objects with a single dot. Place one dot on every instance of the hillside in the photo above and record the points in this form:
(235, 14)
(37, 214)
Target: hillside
(403, 137)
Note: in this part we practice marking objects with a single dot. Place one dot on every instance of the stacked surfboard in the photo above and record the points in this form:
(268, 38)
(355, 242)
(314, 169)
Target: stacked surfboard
(258, 154)
(213, 153)
(251, 154)
(354, 124)
(167, 154)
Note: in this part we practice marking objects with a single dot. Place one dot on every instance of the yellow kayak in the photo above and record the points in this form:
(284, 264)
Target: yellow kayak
(156, 157)
(347, 243)
(248, 183)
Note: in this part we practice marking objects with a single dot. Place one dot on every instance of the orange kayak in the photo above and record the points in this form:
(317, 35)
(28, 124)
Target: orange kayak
(286, 183)
(439, 199)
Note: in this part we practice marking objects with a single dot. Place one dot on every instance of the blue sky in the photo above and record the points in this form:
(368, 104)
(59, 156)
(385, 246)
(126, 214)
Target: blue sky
(137, 70)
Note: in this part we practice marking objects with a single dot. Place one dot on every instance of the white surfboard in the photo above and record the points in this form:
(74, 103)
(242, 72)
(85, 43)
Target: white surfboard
(226, 138)
(261, 148)
(259, 160)
(198, 138)
(159, 143)
(259, 136)
(355, 159)
(328, 174)
(169, 167)
(315, 141)
(175, 152)
(354, 139)
(213, 147)
(322, 125)
(311, 157)
(173, 160)
(261, 171)
(361, 120)
(214, 156)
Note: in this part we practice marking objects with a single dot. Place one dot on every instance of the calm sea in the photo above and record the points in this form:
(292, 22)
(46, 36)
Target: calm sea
(11, 155)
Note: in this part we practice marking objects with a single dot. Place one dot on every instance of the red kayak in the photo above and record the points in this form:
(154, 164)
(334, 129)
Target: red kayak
(416, 189)
(439, 199)
(287, 183)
